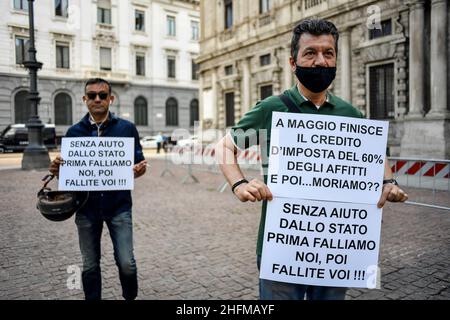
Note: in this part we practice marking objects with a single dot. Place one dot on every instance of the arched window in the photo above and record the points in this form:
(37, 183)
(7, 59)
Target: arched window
(140, 111)
(63, 109)
(22, 107)
(171, 112)
(193, 111)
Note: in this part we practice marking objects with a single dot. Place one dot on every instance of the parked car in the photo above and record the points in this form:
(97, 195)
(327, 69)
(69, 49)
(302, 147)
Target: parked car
(15, 137)
(188, 142)
(149, 142)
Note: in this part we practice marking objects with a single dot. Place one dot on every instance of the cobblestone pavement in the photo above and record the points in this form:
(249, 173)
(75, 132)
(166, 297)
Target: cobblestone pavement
(192, 242)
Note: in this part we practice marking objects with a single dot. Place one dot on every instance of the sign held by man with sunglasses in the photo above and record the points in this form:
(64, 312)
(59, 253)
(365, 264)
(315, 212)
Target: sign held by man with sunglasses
(97, 163)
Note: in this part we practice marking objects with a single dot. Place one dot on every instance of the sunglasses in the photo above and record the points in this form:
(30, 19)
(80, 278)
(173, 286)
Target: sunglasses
(93, 95)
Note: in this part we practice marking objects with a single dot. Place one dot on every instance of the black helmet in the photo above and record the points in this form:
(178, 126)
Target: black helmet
(59, 205)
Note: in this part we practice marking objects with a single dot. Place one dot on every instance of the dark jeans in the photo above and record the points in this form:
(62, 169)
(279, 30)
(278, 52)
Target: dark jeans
(274, 290)
(121, 231)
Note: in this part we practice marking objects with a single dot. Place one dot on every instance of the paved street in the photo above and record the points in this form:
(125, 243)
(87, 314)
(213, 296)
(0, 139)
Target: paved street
(192, 242)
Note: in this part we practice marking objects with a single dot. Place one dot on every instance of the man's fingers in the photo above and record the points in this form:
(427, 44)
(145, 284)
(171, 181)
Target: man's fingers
(404, 196)
(254, 191)
(263, 189)
(249, 196)
(383, 198)
(392, 193)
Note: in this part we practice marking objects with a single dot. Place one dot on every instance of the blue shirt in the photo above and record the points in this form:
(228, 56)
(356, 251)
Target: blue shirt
(108, 203)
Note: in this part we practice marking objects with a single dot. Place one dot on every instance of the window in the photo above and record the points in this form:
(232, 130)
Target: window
(195, 69)
(171, 26)
(22, 107)
(22, 46)
(193, 108)
(61, 8)
(228, 70)
(386, 29)
(265, 91)
(264, 60)
(140, 64)
(105, 58)
(381, 93)
(140, 111)
(264, 6)
(195, 34)
(171, 112)
(62, 56)
(104, 11)
(63, 109)
(171, 67)
(21, 5)
(229, 108)
(228, 14)
(104, 15)
(139, 17)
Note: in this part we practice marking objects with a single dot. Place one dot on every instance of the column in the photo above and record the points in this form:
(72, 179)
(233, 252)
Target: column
(346, 72)
(201, 99)
(287, 70)
(245, 85)
(214, 93)
(438, 58)
(416, 58)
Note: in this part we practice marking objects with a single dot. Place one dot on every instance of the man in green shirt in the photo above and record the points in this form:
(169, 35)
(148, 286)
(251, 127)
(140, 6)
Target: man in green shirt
(314, 50)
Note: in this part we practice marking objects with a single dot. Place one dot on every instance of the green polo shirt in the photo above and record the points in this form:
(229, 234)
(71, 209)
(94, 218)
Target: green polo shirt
(248, 130)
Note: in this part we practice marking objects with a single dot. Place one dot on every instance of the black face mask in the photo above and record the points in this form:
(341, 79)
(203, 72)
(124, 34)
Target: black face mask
(316, 79)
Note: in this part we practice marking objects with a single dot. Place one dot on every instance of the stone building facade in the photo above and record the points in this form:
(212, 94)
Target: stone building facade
(392, 63)
(145, 48)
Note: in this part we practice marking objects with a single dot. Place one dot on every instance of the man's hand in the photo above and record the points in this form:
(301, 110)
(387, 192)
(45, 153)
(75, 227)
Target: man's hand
(54, 166)
(392, 193)
(254, 190)
(140, 168)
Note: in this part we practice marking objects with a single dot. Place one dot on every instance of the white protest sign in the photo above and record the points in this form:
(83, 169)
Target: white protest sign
(321, 243)
(327, 157)
(97, 164)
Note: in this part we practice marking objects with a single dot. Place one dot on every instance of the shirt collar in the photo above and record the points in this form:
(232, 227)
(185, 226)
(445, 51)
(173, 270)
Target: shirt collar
(87, 119)
(306, 99)
(92, 121)
(301, 98)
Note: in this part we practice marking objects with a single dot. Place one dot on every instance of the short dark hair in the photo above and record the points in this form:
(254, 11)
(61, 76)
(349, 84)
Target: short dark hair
(316, 27)
(95, 81)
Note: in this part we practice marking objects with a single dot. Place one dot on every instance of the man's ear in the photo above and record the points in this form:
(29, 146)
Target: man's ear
(292, 63)
(111, 100)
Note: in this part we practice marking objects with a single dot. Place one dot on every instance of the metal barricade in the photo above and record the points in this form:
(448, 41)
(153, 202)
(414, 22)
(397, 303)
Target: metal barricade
(428, 174)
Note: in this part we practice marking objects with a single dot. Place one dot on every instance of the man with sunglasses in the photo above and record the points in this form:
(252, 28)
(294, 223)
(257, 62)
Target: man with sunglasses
(111, 207)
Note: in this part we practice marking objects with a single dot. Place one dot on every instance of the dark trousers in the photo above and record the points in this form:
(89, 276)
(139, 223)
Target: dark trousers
(274, 290)
(121, 231)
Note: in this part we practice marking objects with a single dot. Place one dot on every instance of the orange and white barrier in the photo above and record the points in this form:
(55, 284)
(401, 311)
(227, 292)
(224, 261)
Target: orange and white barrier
(420, 168)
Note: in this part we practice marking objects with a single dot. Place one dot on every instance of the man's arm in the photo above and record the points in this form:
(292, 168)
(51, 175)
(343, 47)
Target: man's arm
(391, 192)
(226, 157)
